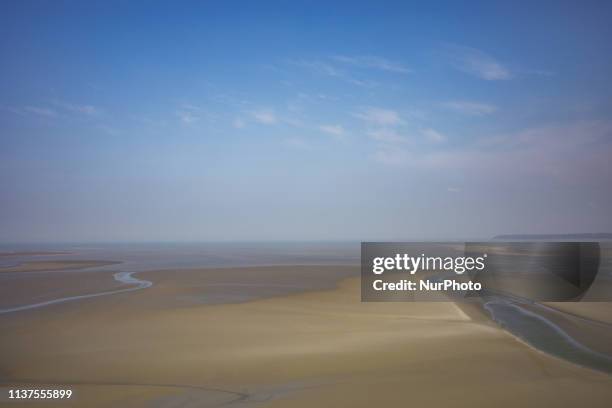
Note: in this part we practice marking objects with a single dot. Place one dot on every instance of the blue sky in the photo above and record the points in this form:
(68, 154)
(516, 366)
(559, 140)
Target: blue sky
(300, 121)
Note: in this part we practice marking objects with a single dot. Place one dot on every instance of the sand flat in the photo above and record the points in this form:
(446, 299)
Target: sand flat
(35, 266)
(598, 311)
(23, 289)
(32, 253)
(320, 348)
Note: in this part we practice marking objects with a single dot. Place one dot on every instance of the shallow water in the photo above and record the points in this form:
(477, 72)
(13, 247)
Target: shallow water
(543, 334)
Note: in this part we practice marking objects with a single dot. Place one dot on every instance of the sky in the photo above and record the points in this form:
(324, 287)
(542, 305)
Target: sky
(258, 121)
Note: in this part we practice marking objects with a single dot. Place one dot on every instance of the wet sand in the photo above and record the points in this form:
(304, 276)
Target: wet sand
(32, 253)
(598, 311)
(19, 290)
(590, 323)
(41, 281)
(171, 345)
(35, 266)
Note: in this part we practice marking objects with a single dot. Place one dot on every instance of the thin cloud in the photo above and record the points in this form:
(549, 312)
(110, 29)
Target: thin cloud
(265, 116)
(336, 131)
(269, 116)
(387, 136)
(372, 62)
(539, 72)
(470, 108)
(379, 116)
(40, 111)
(361, 82)
(187, 117)
(433, 135)
(477, 63)
(296, 143)
(189, 114)
(569, 153)
(86, 109)
(392, 157)
(295, 122)
(238, 123)
(325, 68)
(320, 67)
(81, 109)
(110, 130)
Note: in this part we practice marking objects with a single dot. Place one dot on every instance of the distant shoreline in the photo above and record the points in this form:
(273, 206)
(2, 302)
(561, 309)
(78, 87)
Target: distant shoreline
(598, 236)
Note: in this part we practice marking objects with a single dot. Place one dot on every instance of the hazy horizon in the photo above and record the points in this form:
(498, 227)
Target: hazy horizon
(535, 236)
